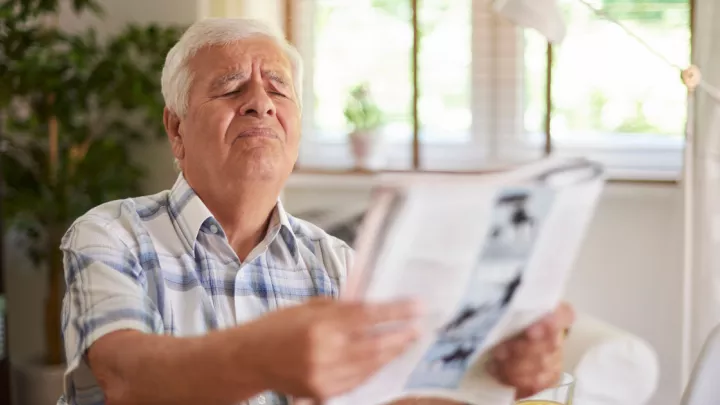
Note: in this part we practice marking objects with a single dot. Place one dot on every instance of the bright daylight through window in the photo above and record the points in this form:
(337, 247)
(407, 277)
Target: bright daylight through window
(482, 83)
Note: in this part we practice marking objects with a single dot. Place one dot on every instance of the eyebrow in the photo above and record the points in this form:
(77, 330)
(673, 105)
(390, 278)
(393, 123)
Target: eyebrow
(276, 77)
(222, 81)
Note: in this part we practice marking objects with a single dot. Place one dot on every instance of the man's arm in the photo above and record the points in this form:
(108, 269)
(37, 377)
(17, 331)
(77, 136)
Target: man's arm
(315, 350)
(118, 351)
(137, 368)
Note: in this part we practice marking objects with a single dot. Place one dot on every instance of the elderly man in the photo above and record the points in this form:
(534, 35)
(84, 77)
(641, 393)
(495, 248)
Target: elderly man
(210, 293)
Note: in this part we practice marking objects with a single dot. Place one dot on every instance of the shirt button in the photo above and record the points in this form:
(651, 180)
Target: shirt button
(261, 400)
(213, 228)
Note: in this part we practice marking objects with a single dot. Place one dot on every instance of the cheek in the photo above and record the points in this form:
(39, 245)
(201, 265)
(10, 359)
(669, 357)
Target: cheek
(289, 118)
(213, 121)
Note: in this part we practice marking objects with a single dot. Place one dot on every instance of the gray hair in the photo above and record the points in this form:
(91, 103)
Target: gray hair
(176, 76)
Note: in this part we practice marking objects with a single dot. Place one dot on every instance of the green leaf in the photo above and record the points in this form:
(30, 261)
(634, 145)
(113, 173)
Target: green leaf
(106, 93)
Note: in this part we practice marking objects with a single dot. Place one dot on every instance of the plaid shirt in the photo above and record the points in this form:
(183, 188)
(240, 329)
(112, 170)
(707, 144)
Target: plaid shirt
(162, 264)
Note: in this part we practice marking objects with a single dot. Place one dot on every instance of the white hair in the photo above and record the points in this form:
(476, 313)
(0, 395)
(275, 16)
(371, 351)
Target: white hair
(176, 76)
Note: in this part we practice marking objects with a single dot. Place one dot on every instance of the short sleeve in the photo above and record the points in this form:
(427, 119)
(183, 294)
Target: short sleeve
(105, 292)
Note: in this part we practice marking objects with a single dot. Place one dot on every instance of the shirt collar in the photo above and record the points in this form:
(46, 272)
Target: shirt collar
(189, 213)
(286, 229)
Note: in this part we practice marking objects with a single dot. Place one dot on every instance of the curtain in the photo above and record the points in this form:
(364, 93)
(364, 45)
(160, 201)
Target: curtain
(702, 189)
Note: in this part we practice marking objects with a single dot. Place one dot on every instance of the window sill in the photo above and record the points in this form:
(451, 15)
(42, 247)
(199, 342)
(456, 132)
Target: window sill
(357, 180)
(625, 160)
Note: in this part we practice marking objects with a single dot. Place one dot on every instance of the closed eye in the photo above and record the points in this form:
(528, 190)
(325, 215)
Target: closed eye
(232, 93)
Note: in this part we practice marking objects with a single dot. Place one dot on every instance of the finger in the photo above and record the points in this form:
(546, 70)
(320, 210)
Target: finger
(564, 316)
(370, 354)
(365, 316)
(365, 356)
(529, 363)
(514, 349)
(533, 385)
(530, 375)
(526, 348)
(502, 351)
(525, 384)
(552, 324)
(376, 345)
(358, 372)
(532, 366)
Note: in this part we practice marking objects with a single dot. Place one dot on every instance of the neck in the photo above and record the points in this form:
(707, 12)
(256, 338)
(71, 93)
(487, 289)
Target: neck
(244, 214)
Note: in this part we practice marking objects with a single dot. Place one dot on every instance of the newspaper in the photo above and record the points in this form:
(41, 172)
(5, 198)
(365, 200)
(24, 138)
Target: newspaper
(487, 254)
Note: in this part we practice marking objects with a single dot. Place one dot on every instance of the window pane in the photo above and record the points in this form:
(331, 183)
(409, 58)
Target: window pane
(606, 86)
(444, 75)
(361, 42)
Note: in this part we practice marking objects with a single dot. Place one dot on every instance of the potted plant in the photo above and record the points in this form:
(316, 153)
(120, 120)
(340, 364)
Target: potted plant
(365, 118)
(72, 107)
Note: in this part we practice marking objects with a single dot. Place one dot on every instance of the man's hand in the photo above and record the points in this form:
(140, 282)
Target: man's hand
(532, 361)
(324, 347)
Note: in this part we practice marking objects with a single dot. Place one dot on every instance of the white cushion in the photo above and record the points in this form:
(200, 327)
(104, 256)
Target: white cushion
(611, 366)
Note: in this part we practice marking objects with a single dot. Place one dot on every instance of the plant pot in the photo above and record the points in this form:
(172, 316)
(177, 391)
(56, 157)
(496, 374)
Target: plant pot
(37, 383)
(363, 146)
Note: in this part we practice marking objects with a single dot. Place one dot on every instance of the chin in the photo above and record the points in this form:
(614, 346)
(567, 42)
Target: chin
(262, 169)
(262, 163)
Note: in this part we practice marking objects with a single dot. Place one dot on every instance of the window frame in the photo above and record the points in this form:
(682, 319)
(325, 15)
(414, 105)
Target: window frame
(497, 51)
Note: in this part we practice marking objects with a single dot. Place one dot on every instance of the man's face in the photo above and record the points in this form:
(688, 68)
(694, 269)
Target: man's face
(243, 119)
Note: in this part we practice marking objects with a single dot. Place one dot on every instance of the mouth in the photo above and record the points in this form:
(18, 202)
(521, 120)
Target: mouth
(257, 133)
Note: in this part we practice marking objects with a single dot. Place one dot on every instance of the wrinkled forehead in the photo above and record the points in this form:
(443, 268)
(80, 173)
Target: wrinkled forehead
(214, 60)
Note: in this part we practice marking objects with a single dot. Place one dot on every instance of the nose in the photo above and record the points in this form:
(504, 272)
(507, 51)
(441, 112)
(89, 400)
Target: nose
(257, 103)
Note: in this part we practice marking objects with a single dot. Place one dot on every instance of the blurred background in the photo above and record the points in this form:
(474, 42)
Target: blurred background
(427, 85)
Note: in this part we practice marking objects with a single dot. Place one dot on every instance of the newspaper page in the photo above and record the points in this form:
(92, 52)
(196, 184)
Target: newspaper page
(486, 254)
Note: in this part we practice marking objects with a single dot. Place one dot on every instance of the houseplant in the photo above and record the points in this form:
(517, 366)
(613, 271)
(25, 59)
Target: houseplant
(365, 118)
(72, 107)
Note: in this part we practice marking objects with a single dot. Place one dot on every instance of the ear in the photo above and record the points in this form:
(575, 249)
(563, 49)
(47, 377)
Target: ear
(172, 128)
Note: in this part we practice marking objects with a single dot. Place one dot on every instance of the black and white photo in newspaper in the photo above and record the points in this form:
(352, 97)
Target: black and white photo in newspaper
(517, 215)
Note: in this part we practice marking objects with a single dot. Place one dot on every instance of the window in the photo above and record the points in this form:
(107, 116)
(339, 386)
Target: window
(357, 42)
(614, 98)
(352, 43)
(481, 90)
